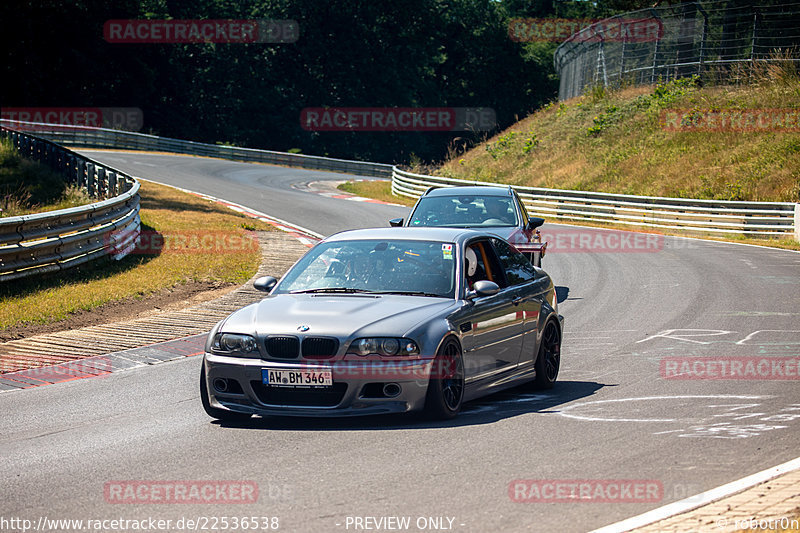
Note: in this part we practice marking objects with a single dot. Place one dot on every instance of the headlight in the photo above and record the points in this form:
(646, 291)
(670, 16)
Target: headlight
(383, 346)
(234, 344)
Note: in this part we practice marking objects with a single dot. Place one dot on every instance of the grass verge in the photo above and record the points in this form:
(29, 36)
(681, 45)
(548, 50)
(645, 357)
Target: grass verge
(621, 142)
(228, 255)
(375, 189)
(29, 187)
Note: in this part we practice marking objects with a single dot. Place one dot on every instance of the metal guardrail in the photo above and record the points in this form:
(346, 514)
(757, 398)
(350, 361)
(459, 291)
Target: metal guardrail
(57, 240)
(89, 137)
(688, 38)
(700, 216)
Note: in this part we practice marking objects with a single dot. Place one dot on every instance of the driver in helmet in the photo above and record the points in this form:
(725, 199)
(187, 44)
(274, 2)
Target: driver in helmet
(473, 270)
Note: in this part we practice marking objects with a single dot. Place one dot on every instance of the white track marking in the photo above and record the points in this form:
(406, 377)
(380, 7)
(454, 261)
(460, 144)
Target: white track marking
(698, 500)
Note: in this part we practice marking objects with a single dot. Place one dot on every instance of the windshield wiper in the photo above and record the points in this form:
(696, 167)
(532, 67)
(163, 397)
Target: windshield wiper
(342, 290)
(411, 293)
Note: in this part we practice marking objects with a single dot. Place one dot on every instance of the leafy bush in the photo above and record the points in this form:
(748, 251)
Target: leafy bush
(604, 120)
(506, 142)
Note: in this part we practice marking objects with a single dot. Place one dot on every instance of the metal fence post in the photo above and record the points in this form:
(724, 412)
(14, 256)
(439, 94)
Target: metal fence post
(601, 61)
(80, 176)
(69, 170)
(102, 189)
(655, 51)
(622, 52)
(755, 33)
(797, 222)
(113, 188)
(91, 179)
(702, 40)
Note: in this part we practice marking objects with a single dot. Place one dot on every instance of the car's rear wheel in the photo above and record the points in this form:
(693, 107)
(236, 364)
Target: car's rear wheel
(446, 385)
(548, 360)
(220, 414)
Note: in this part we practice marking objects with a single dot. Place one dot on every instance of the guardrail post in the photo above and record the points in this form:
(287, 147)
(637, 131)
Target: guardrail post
(91, 179)
(797, 222)
(102, 187)
(70, 170)
(113, 189)
(80, 173)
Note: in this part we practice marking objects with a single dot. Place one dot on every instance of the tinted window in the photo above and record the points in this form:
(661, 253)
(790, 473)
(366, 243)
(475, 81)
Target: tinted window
(517, 267)
(375, 265)
(463, 211)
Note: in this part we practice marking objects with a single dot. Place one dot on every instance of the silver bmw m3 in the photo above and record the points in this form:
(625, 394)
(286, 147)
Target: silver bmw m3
(386, 321)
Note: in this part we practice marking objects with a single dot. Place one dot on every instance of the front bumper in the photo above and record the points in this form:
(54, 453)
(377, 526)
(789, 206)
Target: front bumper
(355, 392)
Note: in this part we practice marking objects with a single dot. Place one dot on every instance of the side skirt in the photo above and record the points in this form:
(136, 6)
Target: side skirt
(506, 380)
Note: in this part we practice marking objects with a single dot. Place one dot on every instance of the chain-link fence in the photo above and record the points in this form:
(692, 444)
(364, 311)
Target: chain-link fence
(645, 46)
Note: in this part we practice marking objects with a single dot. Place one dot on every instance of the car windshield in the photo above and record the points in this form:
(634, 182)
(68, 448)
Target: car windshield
(464, 211)
(375, 266)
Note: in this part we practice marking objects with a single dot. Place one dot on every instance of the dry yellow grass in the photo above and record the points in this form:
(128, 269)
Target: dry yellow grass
(27, 186)
(376, 189)
(182, 219)
(615, 141)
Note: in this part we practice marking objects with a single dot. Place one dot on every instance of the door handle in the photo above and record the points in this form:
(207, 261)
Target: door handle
(518, 300)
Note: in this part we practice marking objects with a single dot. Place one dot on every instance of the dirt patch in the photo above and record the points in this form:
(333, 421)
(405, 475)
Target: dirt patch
(179, 297)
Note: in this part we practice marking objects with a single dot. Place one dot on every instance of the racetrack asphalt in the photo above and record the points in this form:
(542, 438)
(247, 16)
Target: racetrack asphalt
(632, 315)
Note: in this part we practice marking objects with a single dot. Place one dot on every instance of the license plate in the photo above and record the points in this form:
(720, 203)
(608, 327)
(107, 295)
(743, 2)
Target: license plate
(310, 378)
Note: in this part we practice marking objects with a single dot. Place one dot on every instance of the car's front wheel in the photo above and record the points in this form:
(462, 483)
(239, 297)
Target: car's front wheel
(548, 360)
(222, 415)
(446, 385)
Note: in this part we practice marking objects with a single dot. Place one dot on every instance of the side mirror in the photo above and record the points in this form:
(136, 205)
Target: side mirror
(483, 288)
(396, 222)
(535, 222)
(265, 284)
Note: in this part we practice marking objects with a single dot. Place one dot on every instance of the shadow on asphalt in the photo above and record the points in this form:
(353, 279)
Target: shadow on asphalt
(489, 409)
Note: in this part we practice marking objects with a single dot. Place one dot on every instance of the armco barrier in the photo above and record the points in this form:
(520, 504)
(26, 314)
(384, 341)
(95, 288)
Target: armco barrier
(698, 216)
(56, 240)
(89, 137)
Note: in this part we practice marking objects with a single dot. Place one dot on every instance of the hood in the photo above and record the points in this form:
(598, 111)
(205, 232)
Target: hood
(339, 315)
